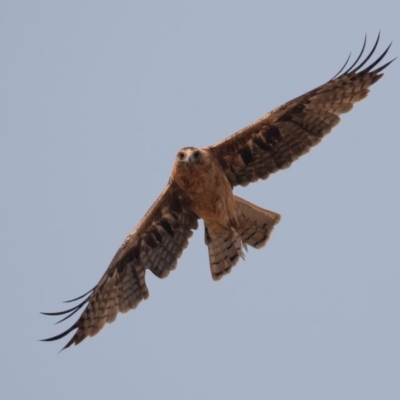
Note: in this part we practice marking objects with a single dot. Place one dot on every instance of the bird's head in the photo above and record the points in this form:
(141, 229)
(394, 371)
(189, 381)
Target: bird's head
(189, 157)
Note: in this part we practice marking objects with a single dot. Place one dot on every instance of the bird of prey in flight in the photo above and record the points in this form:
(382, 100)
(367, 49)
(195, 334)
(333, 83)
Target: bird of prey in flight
(201, 187)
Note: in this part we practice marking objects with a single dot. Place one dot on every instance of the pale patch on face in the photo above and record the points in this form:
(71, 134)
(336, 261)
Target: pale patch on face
(189, 156)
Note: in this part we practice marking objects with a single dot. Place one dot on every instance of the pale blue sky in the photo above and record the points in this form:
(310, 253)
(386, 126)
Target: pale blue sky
(96, 99)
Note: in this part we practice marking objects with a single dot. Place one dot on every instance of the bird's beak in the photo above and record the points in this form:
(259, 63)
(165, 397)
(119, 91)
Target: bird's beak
(190, 160)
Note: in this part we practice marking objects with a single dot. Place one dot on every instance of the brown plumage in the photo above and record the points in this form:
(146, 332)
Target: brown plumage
(201, 186)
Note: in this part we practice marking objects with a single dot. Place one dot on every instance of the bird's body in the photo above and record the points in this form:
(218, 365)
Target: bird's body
(200, 182)
(201, 187)
(205, 187)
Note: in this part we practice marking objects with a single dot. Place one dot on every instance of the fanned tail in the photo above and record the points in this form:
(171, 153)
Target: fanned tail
(256, 225)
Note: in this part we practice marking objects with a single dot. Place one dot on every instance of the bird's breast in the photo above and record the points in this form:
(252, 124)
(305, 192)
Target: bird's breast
(208, 194)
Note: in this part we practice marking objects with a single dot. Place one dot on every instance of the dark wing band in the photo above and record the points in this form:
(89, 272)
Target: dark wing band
(156, 244)
(283, 135)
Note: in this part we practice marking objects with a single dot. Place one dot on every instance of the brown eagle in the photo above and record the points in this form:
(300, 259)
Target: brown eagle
(201, 185)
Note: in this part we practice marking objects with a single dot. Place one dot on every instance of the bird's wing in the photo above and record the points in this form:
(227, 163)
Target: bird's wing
(286, 133)
(155, 244)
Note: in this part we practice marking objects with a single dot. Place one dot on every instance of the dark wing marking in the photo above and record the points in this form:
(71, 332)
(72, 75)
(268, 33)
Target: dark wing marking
(155, 244)
(286, 133)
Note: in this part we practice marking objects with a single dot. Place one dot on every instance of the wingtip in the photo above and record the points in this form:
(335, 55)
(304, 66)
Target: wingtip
(80, 297)
(356, 66)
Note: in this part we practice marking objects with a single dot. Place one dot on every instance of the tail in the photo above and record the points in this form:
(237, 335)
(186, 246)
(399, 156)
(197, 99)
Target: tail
(255, 227)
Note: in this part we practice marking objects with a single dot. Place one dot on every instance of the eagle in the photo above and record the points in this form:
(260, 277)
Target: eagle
(201, 187)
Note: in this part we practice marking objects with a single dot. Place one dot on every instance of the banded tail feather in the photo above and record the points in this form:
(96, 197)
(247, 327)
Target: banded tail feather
(255, 227)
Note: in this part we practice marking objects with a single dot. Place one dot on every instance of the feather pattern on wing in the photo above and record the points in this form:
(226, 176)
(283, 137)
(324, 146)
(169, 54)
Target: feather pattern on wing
(156, 244)
(286, 133)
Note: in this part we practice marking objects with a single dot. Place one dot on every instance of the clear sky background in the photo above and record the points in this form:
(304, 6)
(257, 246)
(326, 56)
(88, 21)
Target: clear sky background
(96, 99)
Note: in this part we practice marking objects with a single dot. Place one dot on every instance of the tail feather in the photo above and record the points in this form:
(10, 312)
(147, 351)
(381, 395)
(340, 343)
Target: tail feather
(257, 224)
(224, 251)
(255, 228)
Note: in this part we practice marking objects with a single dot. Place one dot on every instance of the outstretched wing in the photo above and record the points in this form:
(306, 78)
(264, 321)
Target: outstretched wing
(286, 133)
(155, 244)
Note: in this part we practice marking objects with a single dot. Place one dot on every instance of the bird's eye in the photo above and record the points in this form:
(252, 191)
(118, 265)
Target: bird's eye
(196, 154)
(181, 156)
